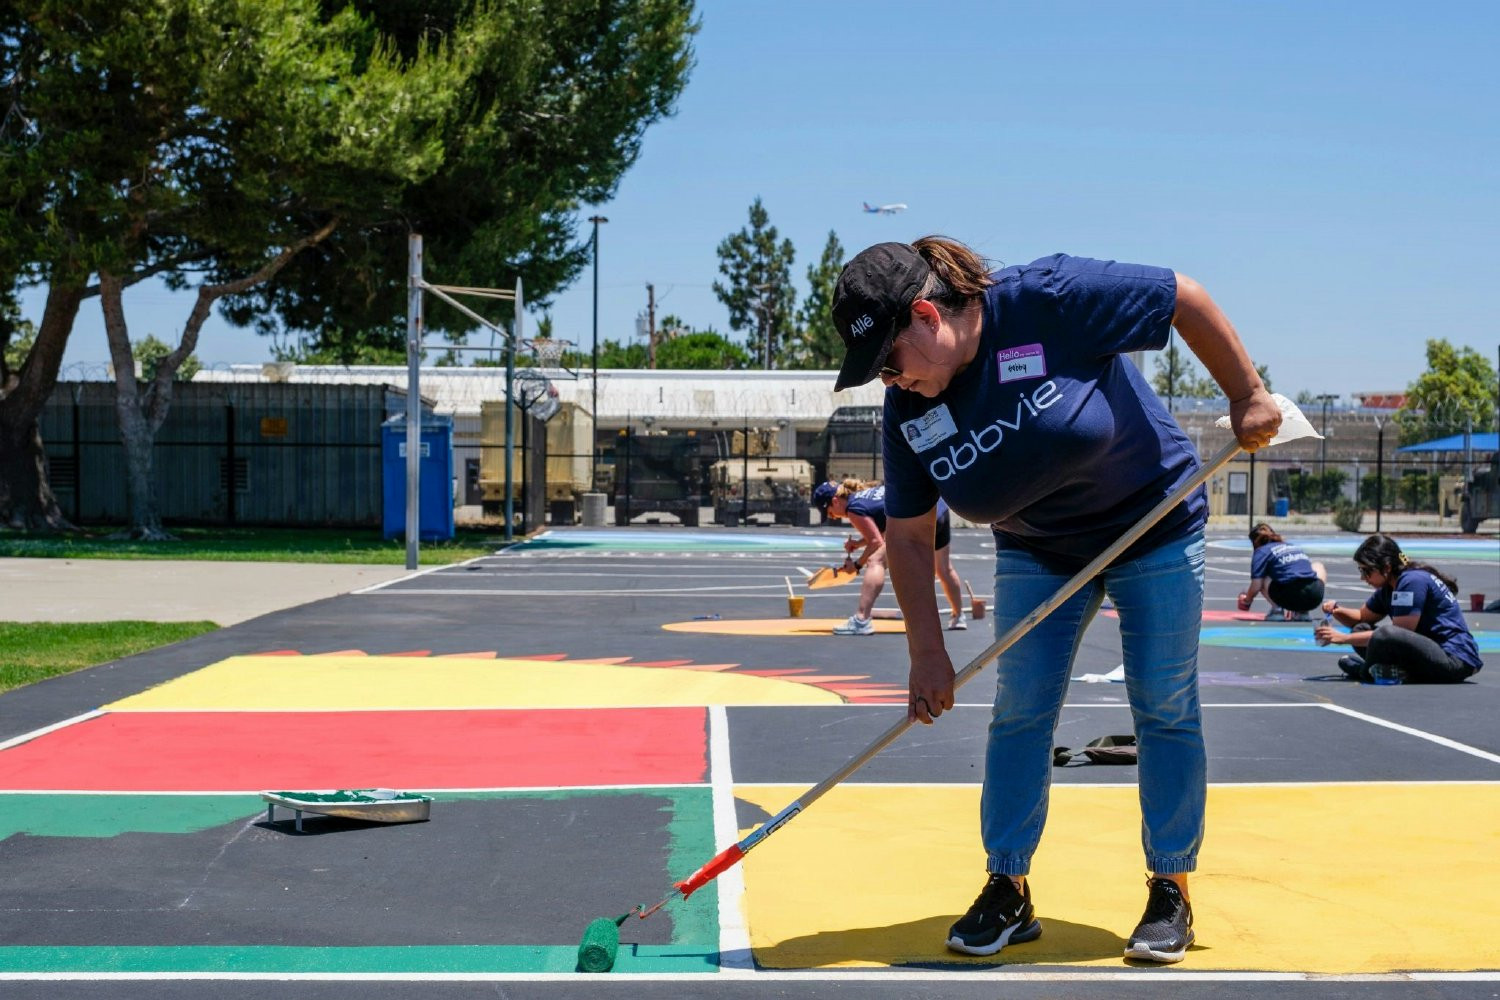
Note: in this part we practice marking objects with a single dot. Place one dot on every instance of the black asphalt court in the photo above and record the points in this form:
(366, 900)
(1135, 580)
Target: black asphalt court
(167, 893)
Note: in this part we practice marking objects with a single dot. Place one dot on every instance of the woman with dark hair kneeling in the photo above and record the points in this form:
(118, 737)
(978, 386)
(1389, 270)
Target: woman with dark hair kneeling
(1292, 583)
(1427, 640)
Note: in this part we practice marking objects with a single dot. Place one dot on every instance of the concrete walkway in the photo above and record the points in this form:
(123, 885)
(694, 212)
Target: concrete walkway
(92, 590)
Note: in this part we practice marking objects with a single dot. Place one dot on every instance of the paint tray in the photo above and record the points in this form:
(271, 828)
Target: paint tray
(373, 805)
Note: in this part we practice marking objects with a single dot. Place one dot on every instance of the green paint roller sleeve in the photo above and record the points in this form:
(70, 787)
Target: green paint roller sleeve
(601, 943)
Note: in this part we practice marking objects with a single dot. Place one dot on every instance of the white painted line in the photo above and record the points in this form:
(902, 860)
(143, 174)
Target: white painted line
(920, 785)
(644, 592)
(412, 576)
(1420, 734)
(1009, 973)
(734, 936)
(517, 789)
(28, 737)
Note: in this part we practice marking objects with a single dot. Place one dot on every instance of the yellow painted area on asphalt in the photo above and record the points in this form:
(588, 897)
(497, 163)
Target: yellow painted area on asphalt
(355, 683)
(1346, 878)
(780, 626)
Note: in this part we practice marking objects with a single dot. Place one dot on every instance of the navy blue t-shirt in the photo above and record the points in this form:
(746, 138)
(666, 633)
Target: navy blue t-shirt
(870, 503)
(1050, 435)
(1283, 562)
(1418, 592)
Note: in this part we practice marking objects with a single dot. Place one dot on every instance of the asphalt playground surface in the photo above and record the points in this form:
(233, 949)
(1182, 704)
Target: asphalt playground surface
(596, 713)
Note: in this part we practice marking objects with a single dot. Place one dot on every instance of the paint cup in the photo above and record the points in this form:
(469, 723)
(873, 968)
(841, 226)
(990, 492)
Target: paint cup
(976, 608)
(1243, 603)
(1476, 602)
(794, 605)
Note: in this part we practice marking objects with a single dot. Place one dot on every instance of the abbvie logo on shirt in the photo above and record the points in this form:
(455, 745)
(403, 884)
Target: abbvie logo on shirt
(988, 437)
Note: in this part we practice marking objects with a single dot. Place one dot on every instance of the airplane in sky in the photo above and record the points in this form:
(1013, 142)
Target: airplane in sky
(899, 206)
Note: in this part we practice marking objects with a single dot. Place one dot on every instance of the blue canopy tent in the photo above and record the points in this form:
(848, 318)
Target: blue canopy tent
(1477, 442)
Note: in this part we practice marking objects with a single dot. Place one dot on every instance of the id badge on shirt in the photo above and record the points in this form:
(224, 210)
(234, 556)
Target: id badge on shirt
(930, 428)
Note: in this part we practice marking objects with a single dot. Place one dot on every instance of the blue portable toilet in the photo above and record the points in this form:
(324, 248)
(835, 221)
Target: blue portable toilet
(435, 478)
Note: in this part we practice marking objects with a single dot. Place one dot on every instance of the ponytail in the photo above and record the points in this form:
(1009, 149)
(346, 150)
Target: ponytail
(1263, 534)
(959, 275)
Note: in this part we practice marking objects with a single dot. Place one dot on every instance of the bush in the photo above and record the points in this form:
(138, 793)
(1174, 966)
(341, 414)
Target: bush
(1347, 514)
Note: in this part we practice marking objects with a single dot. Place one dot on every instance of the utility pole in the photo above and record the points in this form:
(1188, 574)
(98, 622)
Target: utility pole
(651, 325)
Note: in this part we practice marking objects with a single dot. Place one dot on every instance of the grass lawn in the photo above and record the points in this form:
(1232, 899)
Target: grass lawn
(307, 545)
(33, 651)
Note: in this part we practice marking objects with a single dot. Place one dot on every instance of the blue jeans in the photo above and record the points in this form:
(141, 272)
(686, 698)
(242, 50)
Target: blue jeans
(1159, 598)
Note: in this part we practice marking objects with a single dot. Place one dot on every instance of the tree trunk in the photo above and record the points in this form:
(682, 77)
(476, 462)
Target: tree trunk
(26, 500)
(140, 415)
(137, 435)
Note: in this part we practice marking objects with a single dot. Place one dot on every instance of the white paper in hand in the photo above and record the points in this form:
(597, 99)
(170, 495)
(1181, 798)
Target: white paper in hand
(1294, 426)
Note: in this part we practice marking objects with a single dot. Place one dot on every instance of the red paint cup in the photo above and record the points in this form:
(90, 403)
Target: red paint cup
(1476, 602)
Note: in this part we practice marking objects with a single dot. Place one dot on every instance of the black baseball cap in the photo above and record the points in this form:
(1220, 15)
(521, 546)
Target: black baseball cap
(871, 301)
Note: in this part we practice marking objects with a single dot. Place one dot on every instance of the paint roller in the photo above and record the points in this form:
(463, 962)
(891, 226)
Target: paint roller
(606, 931)
(601, 943)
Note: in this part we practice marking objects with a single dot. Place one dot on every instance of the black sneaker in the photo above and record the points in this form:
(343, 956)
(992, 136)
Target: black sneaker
(1354, 667)
(1166, 928)
(1000, 916)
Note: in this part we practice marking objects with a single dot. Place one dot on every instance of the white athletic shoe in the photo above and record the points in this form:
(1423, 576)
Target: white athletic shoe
(855, 626)
(957, 623)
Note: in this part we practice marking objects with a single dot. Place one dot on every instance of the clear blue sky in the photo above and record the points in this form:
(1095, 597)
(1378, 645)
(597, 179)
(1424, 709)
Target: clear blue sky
(1327, 170)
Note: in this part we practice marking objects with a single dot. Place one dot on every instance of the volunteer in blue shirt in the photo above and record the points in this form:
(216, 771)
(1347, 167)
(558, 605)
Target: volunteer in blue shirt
(1008, 397)
(1292, 583)
(863, 505)
(1426, 641)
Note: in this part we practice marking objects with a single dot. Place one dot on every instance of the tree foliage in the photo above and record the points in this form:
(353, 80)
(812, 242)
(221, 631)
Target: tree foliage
(149, 354)
(818, 344)
(215, 142)
(1176, 375)
(551, 117)
(702, 350)
(17, 336)
(1457, 391)
(757, 287)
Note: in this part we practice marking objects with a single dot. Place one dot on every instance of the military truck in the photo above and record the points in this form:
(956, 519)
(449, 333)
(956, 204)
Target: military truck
(569, 452)
(849, 446)
(659, 473)
(1481, 497)
(750, 480)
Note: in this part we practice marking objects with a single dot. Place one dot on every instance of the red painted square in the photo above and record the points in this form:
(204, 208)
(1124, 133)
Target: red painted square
(252, 751)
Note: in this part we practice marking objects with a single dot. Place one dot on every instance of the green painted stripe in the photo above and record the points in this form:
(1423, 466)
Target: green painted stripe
(112, 815)
(695, 930)
(276, 959)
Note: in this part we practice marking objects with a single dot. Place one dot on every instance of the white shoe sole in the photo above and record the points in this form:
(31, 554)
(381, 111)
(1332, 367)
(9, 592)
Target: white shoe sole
(1144, 953)
(1032, 931)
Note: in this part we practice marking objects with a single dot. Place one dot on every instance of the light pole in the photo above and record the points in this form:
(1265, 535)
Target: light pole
(1327, 398)
(594, 448)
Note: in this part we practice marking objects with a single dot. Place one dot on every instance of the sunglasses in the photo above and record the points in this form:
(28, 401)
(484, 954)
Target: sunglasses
(887, 373)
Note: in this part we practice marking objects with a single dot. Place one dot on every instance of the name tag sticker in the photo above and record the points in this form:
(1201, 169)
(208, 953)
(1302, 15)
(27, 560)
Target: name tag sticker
(1017, 363)
(1402, 599)
(930, 428)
